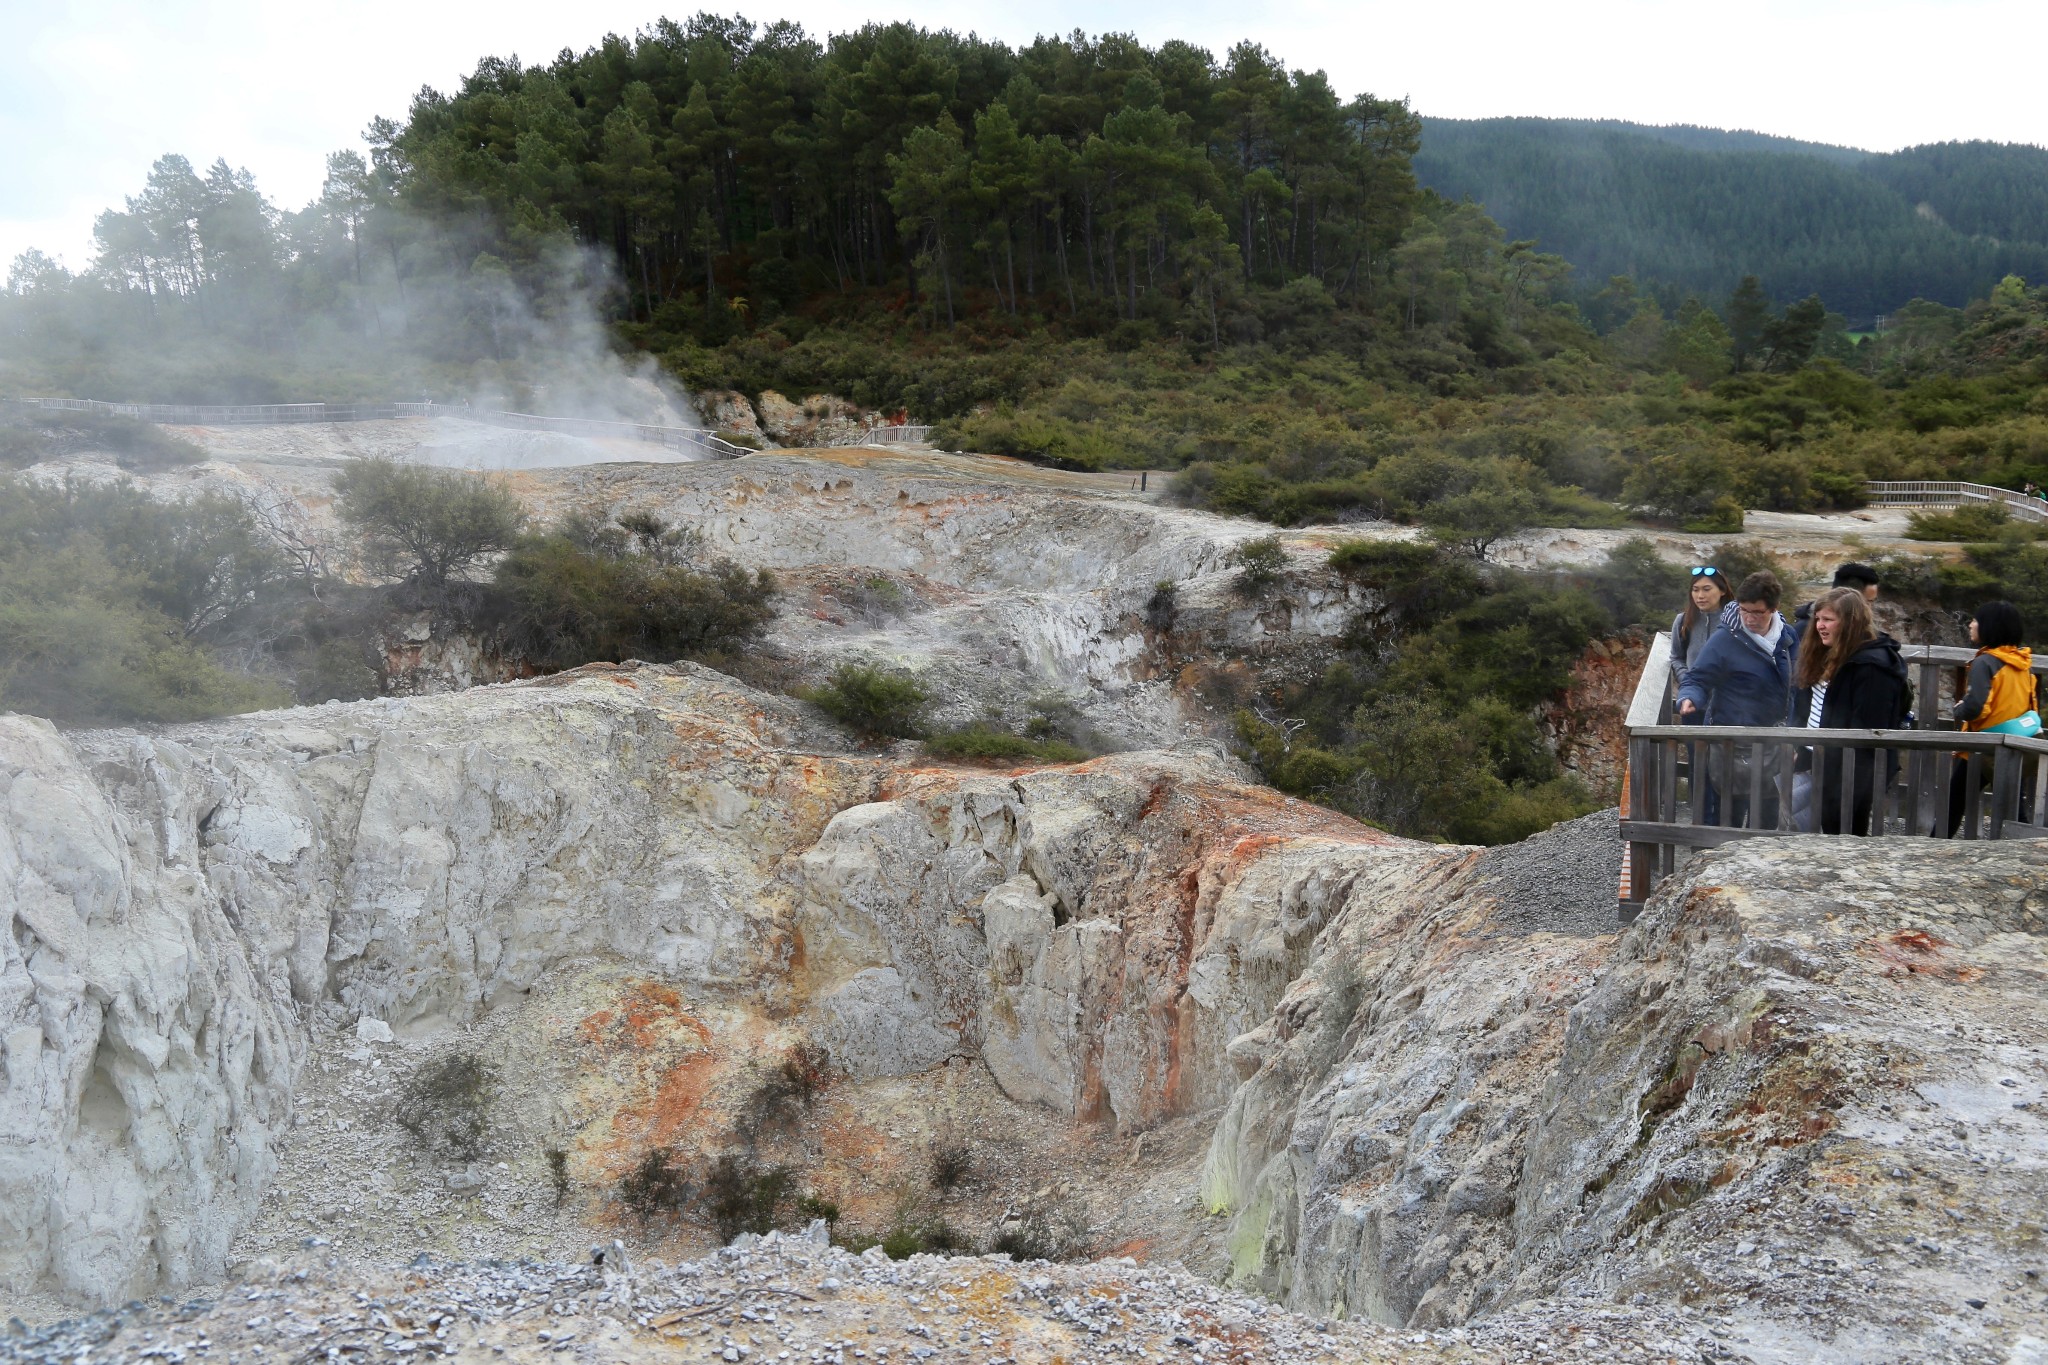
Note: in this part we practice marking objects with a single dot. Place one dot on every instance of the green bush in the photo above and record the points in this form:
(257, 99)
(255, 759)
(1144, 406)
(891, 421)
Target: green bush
(1476, 518)
(426, 525)
(577, 595)
(982, 742)
(812, 1205)
(1725, 517)
(875, 703)
(2015, 571)
(1260, 564)
(1970, 521)
(952, 1159)
(109, 598)
(740, 1196)
(340, 668)
(1909, 576)
(1425, 727)
(901, 1243)
(653, 1187)
(1636, 585)
(788, 1088)
(32, 435)
(1415, 584)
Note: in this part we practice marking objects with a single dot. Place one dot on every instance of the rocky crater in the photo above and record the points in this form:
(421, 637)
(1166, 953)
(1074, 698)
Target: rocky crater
(1368, 1079)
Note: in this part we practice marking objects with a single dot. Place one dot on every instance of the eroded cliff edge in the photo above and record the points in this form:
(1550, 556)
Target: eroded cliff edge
(1805, 1087)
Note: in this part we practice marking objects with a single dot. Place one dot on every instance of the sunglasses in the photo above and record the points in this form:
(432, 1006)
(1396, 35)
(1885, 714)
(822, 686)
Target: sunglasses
(1699, 569)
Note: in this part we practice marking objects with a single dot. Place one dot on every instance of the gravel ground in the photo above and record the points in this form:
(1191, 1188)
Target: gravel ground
(1565, 880)
(779, 1299)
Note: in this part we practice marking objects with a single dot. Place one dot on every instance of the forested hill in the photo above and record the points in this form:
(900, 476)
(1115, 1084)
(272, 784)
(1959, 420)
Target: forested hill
(1691, 135)
(1692, 210)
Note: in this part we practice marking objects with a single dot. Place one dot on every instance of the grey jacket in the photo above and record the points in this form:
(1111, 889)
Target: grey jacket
(1685, 657)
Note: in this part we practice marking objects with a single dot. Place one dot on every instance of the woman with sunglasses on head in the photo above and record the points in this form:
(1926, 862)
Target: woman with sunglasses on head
(1693, 627)
(1850, 676)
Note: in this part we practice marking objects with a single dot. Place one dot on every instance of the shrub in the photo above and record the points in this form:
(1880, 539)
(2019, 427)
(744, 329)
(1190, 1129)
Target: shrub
(1739, 559)
(805, 1067)
(1474, 520)
(1910, 576)
(580, 594)
(901, 1243)
(339, 669)
(558, 1173)
(1416, 584)
(1059, 1234)
(1969, 522)
(1724, 517)
(653, 1187)
(39, 434)
(927, 1236)
(446, 1106)
(1636, 585)
(1025, 1239)
(813, 1205)
(742, 1197)
(982, 742)
(2017, 571)
(788, 1087)
(875, 596)
(426, 525)
(1259, 564)
(952, 1159)
(1685, 482)
(108, 599)
(875, 703)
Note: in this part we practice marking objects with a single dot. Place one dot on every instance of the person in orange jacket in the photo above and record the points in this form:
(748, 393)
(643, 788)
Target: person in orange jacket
(2001, 691)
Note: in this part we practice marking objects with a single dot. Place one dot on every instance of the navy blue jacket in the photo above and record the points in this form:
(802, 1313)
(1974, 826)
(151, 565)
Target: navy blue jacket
(1737, 683)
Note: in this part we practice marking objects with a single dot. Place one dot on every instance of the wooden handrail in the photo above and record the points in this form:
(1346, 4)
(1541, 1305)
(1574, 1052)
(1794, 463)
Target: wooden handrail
(1949, 493)
(1885, 739)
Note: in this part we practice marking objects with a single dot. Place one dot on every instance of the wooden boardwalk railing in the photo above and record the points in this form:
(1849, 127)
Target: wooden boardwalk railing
(1947, 493)
(1698, 786)
(902, 435)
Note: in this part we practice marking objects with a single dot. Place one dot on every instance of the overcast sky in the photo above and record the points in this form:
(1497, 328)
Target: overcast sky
(91, 93)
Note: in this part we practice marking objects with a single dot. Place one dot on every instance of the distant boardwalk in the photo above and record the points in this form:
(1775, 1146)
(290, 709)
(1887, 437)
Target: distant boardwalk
(1947, 493)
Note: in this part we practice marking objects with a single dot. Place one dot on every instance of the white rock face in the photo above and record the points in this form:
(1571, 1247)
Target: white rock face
(148, 1060)
(185, 907)
(178, 905)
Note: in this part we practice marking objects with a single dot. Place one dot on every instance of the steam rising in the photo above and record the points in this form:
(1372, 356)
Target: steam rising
(202, 291)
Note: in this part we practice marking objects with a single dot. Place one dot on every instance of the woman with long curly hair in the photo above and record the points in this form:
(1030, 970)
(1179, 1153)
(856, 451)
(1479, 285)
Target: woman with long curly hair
(1849, 676)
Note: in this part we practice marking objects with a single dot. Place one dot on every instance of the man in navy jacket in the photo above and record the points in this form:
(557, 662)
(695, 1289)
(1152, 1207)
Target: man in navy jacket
(1744, 677)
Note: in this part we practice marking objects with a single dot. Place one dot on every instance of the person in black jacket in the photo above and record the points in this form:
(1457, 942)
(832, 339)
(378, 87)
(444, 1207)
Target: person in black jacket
(1849, 676)
(1861, 577)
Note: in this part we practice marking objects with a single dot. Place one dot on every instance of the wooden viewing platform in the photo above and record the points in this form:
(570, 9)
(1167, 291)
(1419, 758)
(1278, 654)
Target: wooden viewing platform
(1665, 813)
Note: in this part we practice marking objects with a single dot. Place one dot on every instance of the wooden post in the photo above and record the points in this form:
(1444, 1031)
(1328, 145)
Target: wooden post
(1642, 857)
(1973, 792)
(2005, 788)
